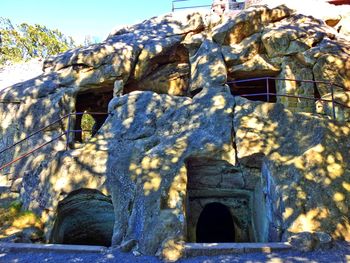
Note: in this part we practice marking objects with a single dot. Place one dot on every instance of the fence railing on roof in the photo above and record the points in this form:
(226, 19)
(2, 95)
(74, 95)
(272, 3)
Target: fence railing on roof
(268, 92)
(175, 6)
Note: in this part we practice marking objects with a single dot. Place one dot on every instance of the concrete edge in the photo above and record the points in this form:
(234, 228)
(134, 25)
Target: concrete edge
(20, 247)
(214, 249)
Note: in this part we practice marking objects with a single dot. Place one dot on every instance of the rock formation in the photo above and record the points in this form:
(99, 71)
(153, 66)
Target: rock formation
(178, 138)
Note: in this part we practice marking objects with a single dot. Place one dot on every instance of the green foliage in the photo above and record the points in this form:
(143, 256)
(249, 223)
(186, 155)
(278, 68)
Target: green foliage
(87, 122)
(26, 41)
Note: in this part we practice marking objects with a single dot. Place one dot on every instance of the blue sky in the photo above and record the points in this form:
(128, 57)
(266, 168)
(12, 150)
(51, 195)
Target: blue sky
(79, 18)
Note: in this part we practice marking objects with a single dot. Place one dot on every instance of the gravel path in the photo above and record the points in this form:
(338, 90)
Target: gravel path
(19, 72)
(340, 253)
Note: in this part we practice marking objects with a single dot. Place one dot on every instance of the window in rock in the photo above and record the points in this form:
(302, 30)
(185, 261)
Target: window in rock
(215, 225)
(252, 89)
(94, 105)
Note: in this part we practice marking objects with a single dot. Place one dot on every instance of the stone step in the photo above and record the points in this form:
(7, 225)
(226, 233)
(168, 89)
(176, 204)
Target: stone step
(214, 249)
(20, 247)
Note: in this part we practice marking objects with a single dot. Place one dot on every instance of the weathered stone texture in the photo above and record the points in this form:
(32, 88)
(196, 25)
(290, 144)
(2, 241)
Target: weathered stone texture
(248, 22)
(304, 169)
(282, 171)
(148, 183)
(207, 66)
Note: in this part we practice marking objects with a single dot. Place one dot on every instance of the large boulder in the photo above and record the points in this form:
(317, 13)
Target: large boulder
(56, 177)
(292, 69)
(295, 34)
(304, 169)
(248, 22)
(148, 150)
(207, 66)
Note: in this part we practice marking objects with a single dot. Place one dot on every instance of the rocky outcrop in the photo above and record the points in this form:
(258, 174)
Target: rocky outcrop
(150, 176)
(177, 138)
(43, 188)
(304, 169)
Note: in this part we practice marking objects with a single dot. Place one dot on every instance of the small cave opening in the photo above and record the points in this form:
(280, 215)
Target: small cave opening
(215, 225)
(251, 89)
(84, 217)
(166, 73)
(91, 107)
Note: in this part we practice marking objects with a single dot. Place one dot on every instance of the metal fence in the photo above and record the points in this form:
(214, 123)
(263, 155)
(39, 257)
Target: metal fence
(268, 92)
(174, 5)
(268, 95)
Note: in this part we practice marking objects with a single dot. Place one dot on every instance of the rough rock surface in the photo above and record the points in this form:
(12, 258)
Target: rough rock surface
(304, 168)
(151, 175)
(280, 169)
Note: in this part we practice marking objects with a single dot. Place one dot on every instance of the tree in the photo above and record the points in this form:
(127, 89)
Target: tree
(26, 41)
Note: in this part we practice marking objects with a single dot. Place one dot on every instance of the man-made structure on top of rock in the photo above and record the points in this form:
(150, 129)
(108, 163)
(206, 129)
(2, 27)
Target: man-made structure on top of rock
(179, 143)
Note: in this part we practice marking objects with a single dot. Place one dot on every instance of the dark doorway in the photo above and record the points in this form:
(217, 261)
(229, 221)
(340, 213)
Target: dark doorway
(251, 89)
(215, 225)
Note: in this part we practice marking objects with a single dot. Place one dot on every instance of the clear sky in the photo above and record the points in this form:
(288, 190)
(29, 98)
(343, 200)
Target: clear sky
(79, 18)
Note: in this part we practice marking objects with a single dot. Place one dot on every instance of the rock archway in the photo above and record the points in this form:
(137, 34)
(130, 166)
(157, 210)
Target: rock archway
(84, 217)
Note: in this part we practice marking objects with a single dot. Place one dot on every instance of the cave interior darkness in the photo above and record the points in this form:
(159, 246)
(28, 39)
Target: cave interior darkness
(215, 225)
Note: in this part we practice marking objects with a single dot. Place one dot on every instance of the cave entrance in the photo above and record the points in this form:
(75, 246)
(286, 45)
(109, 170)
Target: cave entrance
(94, 105)
(215, 225)
(218, 208)
(84, 217)
(250, 89)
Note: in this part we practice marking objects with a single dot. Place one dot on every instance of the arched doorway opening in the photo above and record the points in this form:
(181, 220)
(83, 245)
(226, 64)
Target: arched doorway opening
(84, 217)
(215, 225)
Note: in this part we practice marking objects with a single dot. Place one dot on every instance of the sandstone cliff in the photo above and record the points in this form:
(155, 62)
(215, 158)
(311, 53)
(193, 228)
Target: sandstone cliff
(178, 137)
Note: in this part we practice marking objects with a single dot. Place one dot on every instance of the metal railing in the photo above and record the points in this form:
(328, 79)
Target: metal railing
(174, 2)
(268, 93)
(66, 132)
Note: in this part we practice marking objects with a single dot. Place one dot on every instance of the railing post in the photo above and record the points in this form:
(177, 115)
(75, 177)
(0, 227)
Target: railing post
(68, 131)
(333, 106)
(268, 89)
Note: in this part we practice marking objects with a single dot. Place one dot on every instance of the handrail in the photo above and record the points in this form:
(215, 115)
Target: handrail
(66, 132)
(30, 152)
(268, 93)
(295, 80)
(31, 135)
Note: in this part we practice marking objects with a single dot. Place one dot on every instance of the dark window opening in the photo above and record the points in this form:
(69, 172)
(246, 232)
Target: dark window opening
(252, 89)
(215, 225)
(95, 106)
